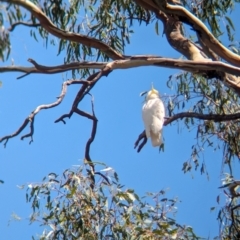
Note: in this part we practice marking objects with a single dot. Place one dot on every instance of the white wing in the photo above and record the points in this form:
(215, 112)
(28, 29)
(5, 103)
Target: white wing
(153, 114)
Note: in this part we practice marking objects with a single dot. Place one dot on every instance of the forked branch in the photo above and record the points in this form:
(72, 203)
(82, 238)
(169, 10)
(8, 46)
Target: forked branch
(88, 159)
(187, 17)
(26, 24)
(91, 81)
(31, 117)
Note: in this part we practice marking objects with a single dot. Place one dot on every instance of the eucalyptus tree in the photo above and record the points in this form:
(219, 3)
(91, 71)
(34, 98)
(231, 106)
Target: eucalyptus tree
(94, 46)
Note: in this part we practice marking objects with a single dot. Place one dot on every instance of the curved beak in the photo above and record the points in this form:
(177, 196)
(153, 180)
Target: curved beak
(143, 93)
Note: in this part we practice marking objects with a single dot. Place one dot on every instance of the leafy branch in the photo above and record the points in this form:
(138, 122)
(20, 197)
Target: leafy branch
(71, 36)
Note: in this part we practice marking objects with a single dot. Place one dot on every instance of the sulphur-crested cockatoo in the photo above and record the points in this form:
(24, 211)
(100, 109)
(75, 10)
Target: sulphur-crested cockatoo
(153, 114)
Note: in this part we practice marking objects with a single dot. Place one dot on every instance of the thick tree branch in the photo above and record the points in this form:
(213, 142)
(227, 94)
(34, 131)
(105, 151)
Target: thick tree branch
(130, 62)
(70, 36)
(208, 51)
(173, 32)
(201, 67)
(214, 117)
(206, 36)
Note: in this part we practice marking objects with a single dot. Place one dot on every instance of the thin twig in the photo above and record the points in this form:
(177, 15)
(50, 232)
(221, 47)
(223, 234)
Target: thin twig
(12, 27)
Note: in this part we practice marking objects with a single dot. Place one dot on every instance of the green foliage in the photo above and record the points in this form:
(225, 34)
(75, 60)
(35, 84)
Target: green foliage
(213, 13)
(72, 209)
(109, 21)
(229, 215)
(195, 93)
(69, 208)
(4, 40)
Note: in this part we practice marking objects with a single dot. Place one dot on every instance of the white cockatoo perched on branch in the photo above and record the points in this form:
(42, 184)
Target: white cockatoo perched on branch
(153, 114)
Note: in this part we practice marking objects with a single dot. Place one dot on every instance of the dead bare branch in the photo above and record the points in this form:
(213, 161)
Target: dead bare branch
(7, 137)
(92, 80)
(93, 133)
(31, 117)
(88, 159)
(66, 67)
(82, 92)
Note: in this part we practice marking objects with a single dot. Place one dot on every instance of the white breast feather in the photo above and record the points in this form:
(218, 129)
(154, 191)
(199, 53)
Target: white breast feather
(153, 117)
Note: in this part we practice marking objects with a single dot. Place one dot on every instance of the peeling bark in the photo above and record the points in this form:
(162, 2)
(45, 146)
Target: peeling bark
(201, 67)
(172, 18)
(206, 36)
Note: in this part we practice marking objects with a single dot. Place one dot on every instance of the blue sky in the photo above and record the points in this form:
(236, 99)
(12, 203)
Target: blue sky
(57, 147)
